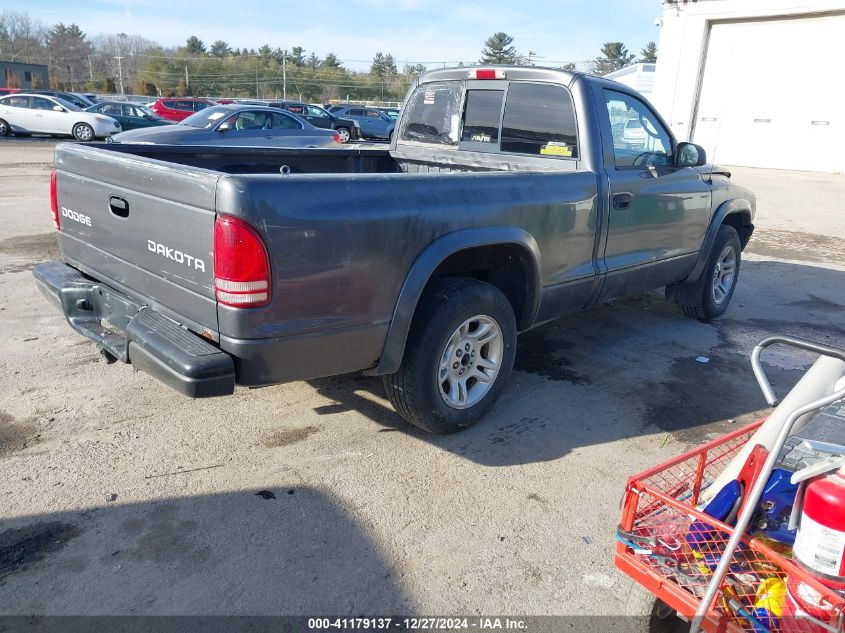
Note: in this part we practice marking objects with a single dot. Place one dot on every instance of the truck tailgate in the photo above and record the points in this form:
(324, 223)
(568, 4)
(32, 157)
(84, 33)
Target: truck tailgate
(144, 226)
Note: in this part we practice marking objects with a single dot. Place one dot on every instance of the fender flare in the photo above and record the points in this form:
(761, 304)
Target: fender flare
(736, 206)
(428, 261)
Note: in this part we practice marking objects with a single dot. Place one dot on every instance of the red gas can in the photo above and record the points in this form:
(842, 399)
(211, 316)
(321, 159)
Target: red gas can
(820, 543)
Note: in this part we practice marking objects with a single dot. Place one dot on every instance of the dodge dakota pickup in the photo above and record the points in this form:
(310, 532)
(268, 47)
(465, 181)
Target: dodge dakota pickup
(508, 196)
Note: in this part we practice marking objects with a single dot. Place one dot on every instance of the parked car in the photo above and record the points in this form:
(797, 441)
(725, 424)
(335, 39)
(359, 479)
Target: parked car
(25, 114)
(253, 126)
(374, 123)
(131, 116)
(502, 203)
(79, 100)
(393, 113)
(318, 117)
(180, 108)
(633, 133)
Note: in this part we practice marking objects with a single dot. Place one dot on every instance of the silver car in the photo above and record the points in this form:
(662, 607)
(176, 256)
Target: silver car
(236, 125)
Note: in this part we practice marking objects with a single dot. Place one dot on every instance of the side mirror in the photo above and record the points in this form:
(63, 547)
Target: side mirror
(224, 126)
(58, 108)
(690, 155)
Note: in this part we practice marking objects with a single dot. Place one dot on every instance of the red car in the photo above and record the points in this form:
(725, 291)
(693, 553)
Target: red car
(178, 108)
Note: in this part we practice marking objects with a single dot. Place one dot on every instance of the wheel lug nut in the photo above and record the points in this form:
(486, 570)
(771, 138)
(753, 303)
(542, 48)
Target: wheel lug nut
(455, 365)
(461, 373)
(473, 354)
(466, 347)
(459, 353)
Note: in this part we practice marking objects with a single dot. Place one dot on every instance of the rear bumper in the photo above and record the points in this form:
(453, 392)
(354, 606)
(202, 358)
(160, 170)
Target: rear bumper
(136, 334)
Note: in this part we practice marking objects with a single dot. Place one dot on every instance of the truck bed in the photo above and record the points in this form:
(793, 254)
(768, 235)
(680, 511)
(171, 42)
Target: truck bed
(261, 160)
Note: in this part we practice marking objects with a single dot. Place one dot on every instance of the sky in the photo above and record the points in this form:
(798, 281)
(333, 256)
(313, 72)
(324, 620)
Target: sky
(415, 31)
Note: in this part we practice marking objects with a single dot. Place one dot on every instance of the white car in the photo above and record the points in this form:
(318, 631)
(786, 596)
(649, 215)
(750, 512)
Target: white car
(633, 133)
(23, 113)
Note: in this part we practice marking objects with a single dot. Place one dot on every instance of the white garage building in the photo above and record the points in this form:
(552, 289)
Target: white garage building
(758, 83)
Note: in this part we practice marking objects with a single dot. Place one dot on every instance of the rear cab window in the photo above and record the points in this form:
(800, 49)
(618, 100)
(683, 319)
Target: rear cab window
(516, 118)
(433, 114)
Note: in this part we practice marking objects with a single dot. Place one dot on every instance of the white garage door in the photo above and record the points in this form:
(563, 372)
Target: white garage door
(772, 94)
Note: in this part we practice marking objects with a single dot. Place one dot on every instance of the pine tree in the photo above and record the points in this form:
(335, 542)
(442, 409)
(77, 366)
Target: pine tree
(383, 66)
(649, 53)
(194, 45)
(498, 49)
(614, 56)
(220, 49)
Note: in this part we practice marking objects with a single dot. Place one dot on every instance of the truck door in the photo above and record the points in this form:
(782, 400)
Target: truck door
(658, 213)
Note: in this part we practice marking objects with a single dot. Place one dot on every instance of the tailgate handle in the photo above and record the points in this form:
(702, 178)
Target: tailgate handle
(119, 207)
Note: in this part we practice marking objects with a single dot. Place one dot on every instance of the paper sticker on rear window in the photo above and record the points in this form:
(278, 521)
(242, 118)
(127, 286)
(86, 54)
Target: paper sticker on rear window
(429, 97)
(556, 148)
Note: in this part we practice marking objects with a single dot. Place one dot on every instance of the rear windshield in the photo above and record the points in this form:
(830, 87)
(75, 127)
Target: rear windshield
(433, 114)
(207, 117)
(534, 119)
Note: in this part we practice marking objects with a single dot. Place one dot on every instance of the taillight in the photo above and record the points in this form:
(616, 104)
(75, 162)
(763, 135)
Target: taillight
(54, 200)
(241, 265)
(337, 138)
(486, 73)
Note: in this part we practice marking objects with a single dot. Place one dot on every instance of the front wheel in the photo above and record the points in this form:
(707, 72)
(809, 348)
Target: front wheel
(4, 128)
(83, 132)
(344, 134)
(459, 355)
(720, 276)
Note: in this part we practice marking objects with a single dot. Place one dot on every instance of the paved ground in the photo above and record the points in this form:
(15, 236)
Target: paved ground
(118, 496)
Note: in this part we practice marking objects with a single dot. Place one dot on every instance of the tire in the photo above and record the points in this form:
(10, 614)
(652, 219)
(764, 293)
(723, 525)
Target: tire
(646, 614)
(83, 132)
(344, 134)
(460, 325)
(5, 130)
(719, 277)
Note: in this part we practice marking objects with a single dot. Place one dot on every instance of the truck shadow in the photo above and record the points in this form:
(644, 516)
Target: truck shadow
(635, 367)
(280, 551)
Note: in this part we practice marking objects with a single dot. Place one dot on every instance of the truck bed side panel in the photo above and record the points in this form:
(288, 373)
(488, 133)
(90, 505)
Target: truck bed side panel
(340, 248)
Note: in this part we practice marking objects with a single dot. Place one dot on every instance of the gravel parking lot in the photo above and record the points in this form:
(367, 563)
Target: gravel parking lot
(119, 496)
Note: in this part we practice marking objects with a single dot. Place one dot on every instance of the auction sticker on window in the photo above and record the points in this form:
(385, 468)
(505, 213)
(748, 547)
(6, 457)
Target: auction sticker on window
(556, 148)
(429, 97)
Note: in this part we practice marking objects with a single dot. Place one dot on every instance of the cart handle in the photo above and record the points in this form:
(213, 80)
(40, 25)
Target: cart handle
(759, 372)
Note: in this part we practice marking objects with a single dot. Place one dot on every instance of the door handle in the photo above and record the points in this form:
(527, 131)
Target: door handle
(119, 207)
(622, 201)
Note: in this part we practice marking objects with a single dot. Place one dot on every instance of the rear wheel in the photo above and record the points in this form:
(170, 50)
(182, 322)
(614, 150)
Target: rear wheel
(344, 134)
(83, 132)
(459, 355)
(4, 128)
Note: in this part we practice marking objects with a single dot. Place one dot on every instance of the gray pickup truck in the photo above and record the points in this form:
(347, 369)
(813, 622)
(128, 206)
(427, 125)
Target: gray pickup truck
(508, 197)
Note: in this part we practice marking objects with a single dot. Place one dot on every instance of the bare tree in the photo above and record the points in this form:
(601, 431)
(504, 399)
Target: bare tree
(22, 38)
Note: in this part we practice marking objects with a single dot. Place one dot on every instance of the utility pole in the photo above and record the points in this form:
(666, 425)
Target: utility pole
(187, 81)
(119, 57)
(284, 75)
(120, 70)
(256, 83)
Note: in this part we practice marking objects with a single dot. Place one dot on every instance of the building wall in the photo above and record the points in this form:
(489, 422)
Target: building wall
(26, 74)
(638, 76)
(682, 44)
